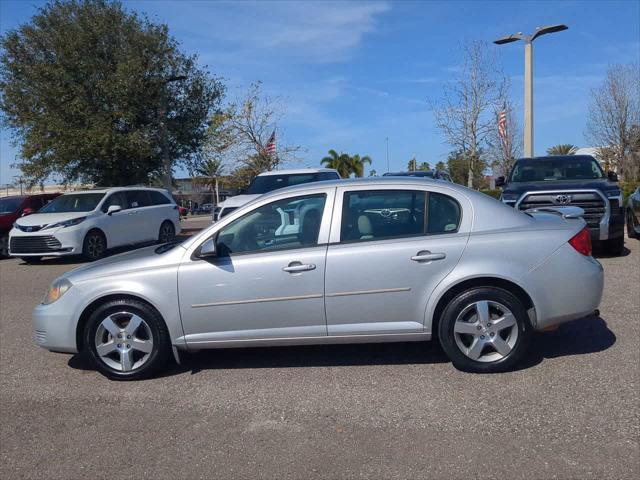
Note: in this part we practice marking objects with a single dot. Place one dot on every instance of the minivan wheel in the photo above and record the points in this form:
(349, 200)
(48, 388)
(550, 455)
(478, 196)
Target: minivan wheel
(127, 340)
(167, 232)
(94, 246)
(485, 330)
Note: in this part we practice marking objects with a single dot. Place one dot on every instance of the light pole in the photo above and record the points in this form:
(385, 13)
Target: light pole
(528, 77)
(387, 140)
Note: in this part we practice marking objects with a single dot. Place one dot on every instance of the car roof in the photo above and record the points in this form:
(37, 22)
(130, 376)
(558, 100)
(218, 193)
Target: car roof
(408, 182)
(294, 171)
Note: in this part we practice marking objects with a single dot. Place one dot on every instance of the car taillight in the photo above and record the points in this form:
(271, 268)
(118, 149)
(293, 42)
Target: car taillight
(581, 241)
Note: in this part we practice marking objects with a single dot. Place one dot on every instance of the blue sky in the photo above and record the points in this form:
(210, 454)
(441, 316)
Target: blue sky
(353, 73)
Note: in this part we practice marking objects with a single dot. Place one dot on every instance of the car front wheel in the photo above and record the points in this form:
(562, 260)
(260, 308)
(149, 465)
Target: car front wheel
(485, 330)
(127, 340)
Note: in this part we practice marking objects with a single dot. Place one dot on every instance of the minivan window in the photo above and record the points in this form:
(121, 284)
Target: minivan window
(73, 202)
(137, 198)
(284, 224)
(117, 199)
(158, 198)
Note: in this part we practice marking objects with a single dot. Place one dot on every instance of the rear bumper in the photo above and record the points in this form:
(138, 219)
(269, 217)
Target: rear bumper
(567, 286)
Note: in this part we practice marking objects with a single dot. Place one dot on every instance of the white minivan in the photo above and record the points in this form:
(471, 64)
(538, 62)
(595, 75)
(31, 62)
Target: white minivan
(89, 222)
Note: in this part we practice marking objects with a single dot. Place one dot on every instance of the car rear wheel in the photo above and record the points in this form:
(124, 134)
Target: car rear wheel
(94, 246)
(167, 232)
(485, 330)
(127, 340)
(4, 246)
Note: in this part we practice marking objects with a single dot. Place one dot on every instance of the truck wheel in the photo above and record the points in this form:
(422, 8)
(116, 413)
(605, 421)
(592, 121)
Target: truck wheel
(614, 246)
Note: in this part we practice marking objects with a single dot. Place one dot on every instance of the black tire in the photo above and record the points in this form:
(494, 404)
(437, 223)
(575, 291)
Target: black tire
(631, 232)
(31, 260)
(157, 331)
(167, 232)
(94, 246)
(4, 246)
(450, 340)
(614, 246)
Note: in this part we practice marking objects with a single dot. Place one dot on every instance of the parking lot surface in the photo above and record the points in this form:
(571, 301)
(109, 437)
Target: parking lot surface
(351, 411)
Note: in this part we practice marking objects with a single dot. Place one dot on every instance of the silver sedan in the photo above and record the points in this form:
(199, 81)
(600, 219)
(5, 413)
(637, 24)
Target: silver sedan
(376, 260)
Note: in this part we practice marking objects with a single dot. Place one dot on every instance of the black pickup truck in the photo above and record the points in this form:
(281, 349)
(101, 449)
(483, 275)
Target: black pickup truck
(570, 180)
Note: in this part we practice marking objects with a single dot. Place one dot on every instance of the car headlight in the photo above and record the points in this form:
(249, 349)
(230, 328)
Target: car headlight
(66, 223)
(509, 197)
(56, 290)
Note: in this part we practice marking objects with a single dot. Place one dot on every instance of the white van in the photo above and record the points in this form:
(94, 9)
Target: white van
(89, 222)
(269, 181)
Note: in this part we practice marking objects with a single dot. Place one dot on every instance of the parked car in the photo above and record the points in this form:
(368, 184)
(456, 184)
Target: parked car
(633, 214)
(14, 207)
(205, 208)
(89, 222)
(387, 259)
(269, 181)
(570, 180)
(435, 174)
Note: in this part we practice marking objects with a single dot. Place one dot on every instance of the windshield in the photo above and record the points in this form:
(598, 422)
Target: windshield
(10, 205)
(73, 202)
(268, 183)
(563, 168)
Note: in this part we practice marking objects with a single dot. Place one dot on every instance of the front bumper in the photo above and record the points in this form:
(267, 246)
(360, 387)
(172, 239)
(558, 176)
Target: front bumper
(56, 242)
(54, 325)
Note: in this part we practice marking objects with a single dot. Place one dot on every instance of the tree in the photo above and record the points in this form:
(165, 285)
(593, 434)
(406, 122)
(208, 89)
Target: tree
(441, 166)
(457, 165)
(424, 166)
(412, 165)
(210, 171)
(253, 120)
(614, 112)
(357, 164)
(562, 149)
(373, 173)
(95, 93)
(465, 115)
(338, 161)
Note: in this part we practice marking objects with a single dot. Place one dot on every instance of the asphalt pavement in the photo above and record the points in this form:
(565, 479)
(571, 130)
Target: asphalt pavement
(348, 411)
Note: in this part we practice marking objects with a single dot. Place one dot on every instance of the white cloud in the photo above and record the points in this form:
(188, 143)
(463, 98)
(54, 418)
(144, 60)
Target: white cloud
(317, 32)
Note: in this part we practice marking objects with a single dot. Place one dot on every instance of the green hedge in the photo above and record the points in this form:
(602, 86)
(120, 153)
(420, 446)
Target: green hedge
(495, 193)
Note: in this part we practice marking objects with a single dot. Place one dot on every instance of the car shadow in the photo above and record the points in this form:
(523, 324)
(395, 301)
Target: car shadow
(601, 253)
(580, 337)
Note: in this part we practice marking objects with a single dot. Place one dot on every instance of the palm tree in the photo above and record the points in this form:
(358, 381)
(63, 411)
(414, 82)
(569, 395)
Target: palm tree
(562, 149)
(340, 161)
(412, 165)
(210, 170)
(357, 164)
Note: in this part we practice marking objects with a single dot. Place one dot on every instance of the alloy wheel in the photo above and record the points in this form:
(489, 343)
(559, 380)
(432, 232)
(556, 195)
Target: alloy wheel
(167, 233)
(124, 341)
(486, 331)
(95, 246)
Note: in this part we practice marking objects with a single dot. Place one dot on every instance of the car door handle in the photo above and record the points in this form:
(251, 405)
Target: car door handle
(295, 267)
(427, 256)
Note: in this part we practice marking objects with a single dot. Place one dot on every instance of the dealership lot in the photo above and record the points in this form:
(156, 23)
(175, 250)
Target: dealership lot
(382, 411)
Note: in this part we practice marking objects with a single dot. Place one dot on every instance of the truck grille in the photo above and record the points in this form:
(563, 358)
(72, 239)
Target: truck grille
(592, 204)
(34, 244)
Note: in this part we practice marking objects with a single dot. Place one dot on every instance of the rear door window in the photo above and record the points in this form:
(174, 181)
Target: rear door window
(137, 199)
(158, 198)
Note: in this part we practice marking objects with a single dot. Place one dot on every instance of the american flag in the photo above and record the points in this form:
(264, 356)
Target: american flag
(502, 127)
(271, 145)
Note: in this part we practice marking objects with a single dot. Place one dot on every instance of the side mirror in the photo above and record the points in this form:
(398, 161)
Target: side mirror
(113, 209)
(207, 249)
(26, 211)
(612, 176)
(500, 181)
